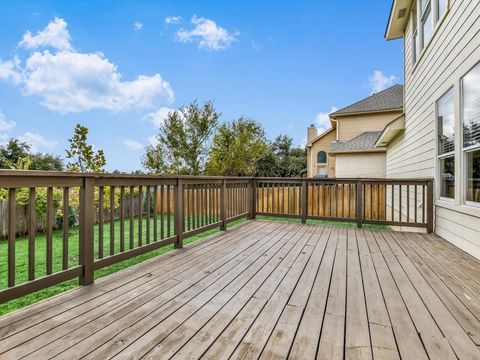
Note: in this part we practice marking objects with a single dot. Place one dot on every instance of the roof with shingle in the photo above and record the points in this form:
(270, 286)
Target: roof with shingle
(388, 99)
(363, 142)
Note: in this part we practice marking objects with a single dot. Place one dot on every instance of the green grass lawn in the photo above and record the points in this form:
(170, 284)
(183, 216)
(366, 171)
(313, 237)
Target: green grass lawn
(21, 255)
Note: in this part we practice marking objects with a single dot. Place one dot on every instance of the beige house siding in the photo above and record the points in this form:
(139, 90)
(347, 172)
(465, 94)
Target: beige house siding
(322, 144)
(350, 126)
(362, 165)
(452, 51)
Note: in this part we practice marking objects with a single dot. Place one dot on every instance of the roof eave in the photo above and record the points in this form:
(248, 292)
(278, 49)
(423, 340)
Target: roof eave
(335, 115)
(377, 150)
(396, 25)
(391, 131)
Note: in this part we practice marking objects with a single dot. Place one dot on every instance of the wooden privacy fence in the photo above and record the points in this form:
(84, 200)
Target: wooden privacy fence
(122, 216)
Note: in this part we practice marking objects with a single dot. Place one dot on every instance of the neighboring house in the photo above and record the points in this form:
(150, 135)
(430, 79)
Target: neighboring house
(439, 137)
(348, 148)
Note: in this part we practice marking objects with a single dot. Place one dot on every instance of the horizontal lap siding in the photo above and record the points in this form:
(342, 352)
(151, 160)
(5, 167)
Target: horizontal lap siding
(453, 50)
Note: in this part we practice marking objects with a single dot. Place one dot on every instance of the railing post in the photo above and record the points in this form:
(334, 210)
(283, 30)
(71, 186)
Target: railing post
(87, 222)
(253, 199)
(429, 206)
(223, 207)
(304, 201)
(178, 214)
(359, 203)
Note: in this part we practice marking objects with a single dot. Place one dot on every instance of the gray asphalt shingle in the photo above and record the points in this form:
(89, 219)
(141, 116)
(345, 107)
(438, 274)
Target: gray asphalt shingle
(364, 141)
(391, 98)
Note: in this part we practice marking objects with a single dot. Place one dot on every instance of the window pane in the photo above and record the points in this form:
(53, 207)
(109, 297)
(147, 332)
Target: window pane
(442, 6)
(321, 157)
(423, 4)
(427, 26)
(447, 177)
(446, 123)
(471, 107)
(473, 176)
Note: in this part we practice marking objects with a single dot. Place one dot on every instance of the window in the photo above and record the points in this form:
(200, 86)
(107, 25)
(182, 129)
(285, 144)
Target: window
(446, 144)
(442, 7)
(321, 157)
(425, 15)
(471, 133)
(426, 21)
(415, 44)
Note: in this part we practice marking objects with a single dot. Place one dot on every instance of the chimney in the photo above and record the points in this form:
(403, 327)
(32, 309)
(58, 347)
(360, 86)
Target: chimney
(311, 133)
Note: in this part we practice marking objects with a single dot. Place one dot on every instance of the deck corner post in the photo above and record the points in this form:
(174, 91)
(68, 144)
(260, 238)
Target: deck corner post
(87, 222)
(304, 201)
(179, 214)
(223, 206)
(429, 207)
(253, 199)
(359, 203)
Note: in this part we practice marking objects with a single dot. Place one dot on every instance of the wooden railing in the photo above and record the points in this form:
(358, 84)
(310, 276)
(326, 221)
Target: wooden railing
(117, 217)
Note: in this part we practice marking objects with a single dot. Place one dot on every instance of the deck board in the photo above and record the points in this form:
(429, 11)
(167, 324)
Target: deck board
(268, 290)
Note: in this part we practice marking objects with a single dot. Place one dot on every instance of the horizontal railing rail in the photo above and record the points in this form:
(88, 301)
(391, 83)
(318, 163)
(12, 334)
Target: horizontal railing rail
(90, 221)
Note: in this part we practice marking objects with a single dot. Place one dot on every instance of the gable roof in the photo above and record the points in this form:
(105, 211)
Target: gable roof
(309, 144)
(388, 99)
(363, 142)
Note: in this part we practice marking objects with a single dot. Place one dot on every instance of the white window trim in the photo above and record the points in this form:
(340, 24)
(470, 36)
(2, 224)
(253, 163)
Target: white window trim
(467, 149)
(437, 21)
(445, 155)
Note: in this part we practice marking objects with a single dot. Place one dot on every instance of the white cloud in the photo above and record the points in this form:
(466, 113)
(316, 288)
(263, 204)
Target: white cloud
(54, 35)
(207, 34)
(158, 117)
(11, 70)
(132, 144)
(69, 81)
(255, 46)
(378, 81)
(173, 19)
(137, 25)
(6, 125)
(153, 140)
(37, 142)
(75, 82)
(322, 120)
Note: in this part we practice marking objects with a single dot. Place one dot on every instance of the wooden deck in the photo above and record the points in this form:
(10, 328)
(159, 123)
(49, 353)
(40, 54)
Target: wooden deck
(268, 290)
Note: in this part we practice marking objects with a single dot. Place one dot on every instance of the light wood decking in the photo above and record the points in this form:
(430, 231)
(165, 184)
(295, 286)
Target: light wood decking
(268, 290)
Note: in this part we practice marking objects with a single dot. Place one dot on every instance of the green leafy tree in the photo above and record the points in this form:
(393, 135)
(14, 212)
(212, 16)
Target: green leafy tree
(183, 141)
(16, 155)
(236, 148)
(82, 156)
(283, 159)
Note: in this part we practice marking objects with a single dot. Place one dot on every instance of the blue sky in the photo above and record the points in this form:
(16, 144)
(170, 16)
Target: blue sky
(118, 66)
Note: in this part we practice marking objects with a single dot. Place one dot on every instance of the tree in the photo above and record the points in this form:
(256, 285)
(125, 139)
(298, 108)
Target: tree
(236, 148)
(16, 155)
(282, 159)
(183, 141)
(83, 157)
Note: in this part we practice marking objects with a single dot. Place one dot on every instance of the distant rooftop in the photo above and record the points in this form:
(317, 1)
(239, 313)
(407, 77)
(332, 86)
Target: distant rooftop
(388, 99)
(363, 142)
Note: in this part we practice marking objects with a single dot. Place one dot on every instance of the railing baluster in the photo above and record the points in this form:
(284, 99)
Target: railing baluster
(66, 218)
(122, 219)
(132, 224)
(87, 221)
(112, 220)
(140, 217)
(162, 219)
(147, 214)
(50, 216)
(12, 229)
(31, 233)
(155, 213)
(100, 222)
(408, 203)
(415, 204)
(169, 211)
(178, 217)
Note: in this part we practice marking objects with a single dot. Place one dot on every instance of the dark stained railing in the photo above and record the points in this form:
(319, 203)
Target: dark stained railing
(117, 216)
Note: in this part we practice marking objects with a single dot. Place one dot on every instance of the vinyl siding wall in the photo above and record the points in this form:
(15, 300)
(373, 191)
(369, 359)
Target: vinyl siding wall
(353, 125)
(453, 49)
